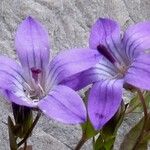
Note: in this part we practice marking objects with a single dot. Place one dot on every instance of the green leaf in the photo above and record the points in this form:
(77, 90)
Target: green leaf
(99, 143)
(146, 137)
(135, 104)
(12, 137)
(103, 144)
(142, 146)
(131, 138)
(147, 99)
(88, 129)
(109, 143)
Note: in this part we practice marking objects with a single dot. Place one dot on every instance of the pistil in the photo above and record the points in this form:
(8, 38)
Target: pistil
(36, 92)
(35, 73)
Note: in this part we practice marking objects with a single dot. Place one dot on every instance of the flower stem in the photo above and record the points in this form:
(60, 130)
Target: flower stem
(30, 130)
(81, 142)
(25, 145)
(145, 118)
(143, 103)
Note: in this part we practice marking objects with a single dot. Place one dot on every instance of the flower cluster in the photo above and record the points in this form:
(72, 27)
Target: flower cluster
(36, 81)
(125, 62)
(112, 62)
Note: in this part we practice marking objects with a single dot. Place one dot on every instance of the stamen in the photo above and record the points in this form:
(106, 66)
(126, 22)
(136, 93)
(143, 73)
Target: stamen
(103, 50)
(41, 89)
(27, 87)
(35, 73)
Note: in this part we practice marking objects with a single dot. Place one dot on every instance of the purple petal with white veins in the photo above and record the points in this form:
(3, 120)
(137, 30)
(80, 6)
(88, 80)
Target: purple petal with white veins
(102, 70)
(64, 104)
(19, 98)
(69, 63)
(106, 33)
(32, 46)
(12, 81)
(104, 100)
(138, 73)
(136, 39)
(10, 71)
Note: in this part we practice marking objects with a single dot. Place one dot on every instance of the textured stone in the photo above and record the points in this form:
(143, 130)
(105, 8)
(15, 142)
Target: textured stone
(68, 23)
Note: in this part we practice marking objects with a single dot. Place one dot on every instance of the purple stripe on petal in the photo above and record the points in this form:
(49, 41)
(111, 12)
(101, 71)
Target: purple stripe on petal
(102, 70)
(71, 62)
(106, 32)
(19, 99)
(136, 38)
(32, 46)
(138, 73)
(12, 81)
(10, 70)
(104, 100)
(13, 91)
(64, 104)
(81, 80)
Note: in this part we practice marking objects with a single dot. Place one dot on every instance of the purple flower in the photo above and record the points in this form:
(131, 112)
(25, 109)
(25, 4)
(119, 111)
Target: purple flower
(124, 62)
(36, 82)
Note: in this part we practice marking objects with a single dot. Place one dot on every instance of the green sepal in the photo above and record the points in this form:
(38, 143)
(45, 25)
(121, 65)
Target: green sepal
(23, 119)
(98, 144)
(88, 129)
(12, 136)
(103, 143)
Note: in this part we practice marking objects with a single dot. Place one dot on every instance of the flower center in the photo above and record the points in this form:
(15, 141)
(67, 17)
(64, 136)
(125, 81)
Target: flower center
(121, 70)
(36, 92)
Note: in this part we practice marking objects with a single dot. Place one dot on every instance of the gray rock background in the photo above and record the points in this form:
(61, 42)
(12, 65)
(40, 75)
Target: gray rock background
(68, 23)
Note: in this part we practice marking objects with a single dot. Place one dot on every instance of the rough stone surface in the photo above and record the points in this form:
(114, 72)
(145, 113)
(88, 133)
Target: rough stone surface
(68, 23)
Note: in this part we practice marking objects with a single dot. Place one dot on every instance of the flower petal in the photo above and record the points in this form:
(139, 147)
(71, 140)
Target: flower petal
(18, 98)
(32, 45)
(139, 72)
(104, 100)
(106, 32)
(136, 39)
(65, 105)
(12, 81)
(102, 70)
(69, 63)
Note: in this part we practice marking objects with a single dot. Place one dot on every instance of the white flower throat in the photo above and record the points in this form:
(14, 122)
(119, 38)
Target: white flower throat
(36, 92)
(121, 68)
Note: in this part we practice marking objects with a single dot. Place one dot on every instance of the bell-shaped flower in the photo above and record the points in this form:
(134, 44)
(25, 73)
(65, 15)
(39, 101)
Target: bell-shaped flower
(36, 81)
(125, 61)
